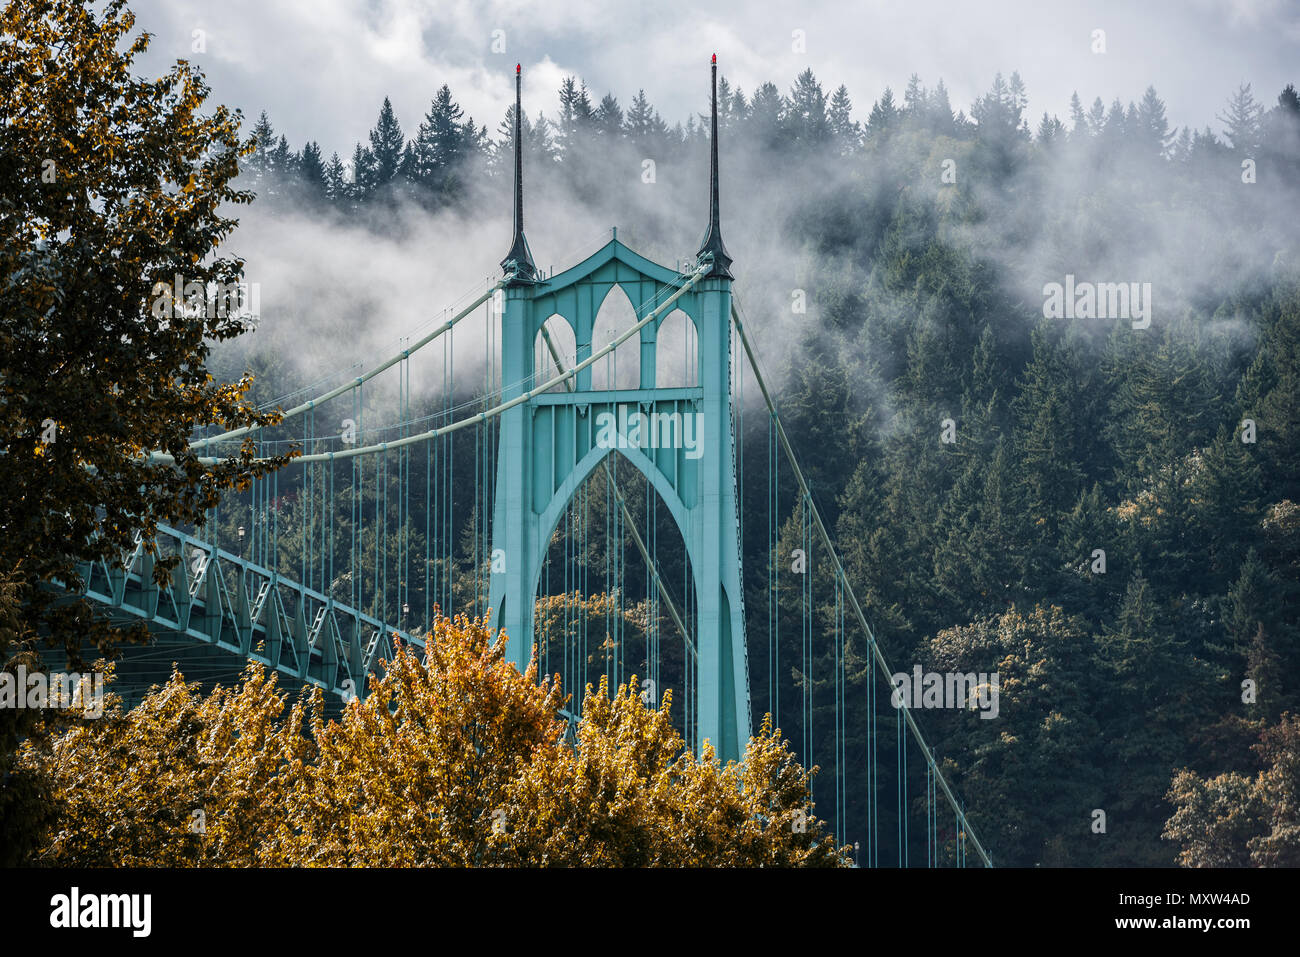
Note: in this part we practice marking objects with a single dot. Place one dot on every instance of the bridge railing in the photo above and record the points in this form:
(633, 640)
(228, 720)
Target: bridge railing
(231, 603)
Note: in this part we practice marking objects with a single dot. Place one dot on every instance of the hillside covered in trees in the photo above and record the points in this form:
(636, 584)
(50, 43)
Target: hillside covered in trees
(1150, 682)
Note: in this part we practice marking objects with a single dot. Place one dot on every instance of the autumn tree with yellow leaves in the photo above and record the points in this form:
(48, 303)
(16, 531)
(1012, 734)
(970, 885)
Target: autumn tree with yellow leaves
(457, 760)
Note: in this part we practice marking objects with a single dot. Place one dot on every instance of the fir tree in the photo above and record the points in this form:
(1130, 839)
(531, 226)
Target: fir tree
(806, 111)
(1151, 128)
(311, 170)
(1242, 121)
(884, 115)
(336, 179)
(386, 147)
(444, 145)
(844, 129)
(609, 118)
(1078, 118)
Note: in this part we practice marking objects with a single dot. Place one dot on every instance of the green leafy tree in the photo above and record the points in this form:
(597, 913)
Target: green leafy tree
(112, 191)
(1034, 771)
(132, 200)
(1235, 820)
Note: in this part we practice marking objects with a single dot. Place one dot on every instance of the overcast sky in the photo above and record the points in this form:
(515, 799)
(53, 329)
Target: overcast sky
(322, 67)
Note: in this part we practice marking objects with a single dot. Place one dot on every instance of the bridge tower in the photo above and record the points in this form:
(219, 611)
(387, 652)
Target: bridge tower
(551, 443)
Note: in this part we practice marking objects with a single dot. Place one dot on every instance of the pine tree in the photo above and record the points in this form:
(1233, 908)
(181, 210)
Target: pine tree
(1018, 97)
(1159, 690)
(1277, 412)
(767, 117)
(1207, 151)
(576, 120)
(1281, 136)
(1162, 407)
(980, 566)
(883, 117)
(1242, 122)
(941, 118)
(264, 139)
(1114, 131)
(272, 163)
(1097, 117)
(1257, 639)
(336, 179)
(999, 119)
(738, 109)
(1045, 762)
(539, 145)
(914, 101)
(1227, 502)
(1152, 128)
(281, 158)
(1050, 130)
(406, 169)
(1045, 435)
(644, 126)
(1088, 587)
(311, 170)
(724, 105)
(444, 145)
(731, 107)
(982, 399)
(806, 111)
(694, 132)
(364, 179)
(609, 118)
(844, 129)
(386, 146)
(1078, 118)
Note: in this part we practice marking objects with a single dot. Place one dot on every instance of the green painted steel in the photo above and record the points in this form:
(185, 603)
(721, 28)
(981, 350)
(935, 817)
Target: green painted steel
(231, 603)
(551, 443)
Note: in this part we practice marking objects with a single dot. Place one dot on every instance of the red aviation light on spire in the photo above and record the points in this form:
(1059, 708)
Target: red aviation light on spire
(520, 69)
(715, 58)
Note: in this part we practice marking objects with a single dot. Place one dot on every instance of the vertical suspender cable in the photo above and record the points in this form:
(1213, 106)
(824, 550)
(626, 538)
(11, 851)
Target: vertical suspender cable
(876, 653)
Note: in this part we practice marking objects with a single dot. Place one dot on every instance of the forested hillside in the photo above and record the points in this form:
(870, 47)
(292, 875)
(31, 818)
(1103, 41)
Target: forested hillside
(895, 272)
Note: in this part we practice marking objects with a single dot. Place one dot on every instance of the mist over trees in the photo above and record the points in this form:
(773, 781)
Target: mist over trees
(922, 237)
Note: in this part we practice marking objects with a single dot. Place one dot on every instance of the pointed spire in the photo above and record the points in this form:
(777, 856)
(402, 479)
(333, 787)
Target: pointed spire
(520, 259)
(711, 247)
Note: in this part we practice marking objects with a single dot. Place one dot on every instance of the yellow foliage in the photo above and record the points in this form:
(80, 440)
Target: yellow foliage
(457, 760)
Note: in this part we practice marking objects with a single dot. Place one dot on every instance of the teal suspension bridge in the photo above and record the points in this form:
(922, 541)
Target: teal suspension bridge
(588, 493)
